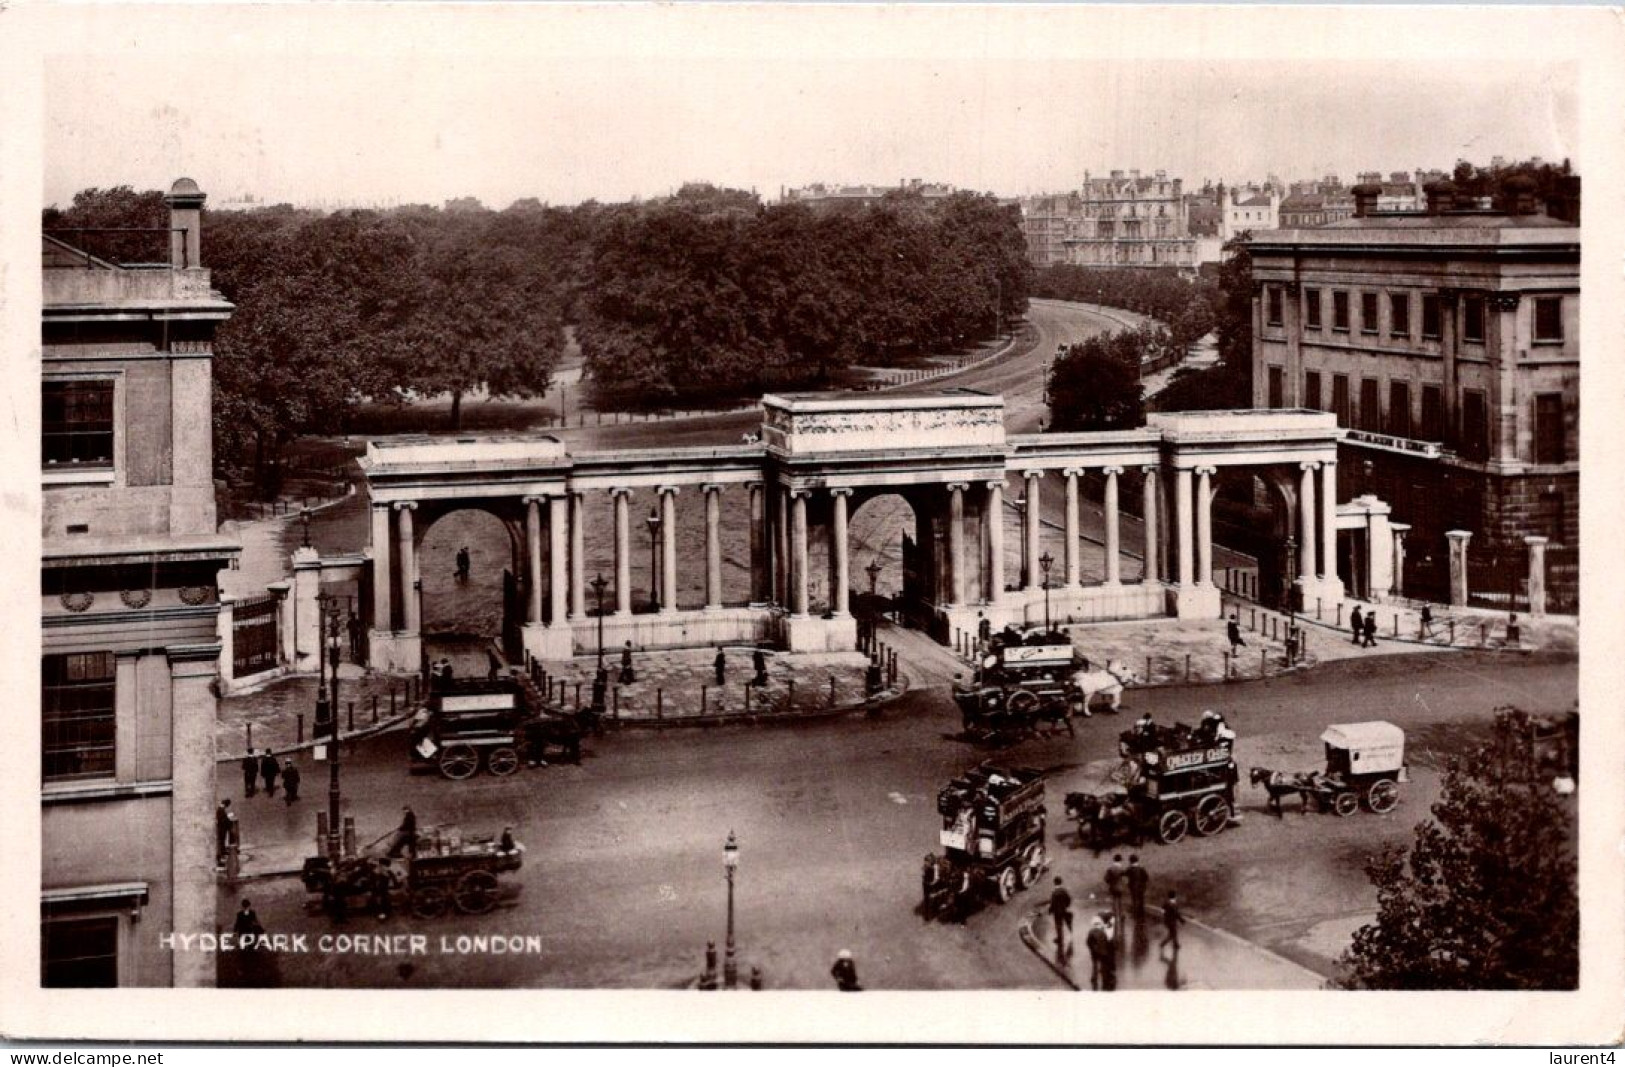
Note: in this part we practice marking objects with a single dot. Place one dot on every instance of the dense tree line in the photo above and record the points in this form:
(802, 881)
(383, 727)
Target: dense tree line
(1095, 383)
(1185, 305)
(706, 293)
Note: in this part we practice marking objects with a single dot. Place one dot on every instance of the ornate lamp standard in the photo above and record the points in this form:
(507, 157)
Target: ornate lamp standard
(1045, 562)
(730, 862)
(304, 522)
(599, 583)
(653, 522)
(327, 708)
(873, 571)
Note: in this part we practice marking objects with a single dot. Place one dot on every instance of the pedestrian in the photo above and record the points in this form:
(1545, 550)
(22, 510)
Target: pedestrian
(1427, 621)
(1514, 638)
(845, 972)
(1100, 949)
(928, 886)
(721, 665)
(984, 629)
(1172, 920)
(494, 670)
(1108, 962)
(1233, 630)
(353, 628)
(379, 883)
(247, 924)
(758, 660)
(1370, 629)
(1060, 913)
(1138, 878)
(268, 772)
(222, 830)
(627, 677)
(1115, 884)
(1356, 623)
(290, 781)
(464, 563)
(251, 773)
(406, 835)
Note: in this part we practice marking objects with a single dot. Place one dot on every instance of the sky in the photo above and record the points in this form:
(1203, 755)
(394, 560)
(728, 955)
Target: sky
(335, 127)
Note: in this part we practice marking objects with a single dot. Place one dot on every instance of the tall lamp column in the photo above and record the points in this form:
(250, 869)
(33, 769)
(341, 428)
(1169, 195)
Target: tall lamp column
(730, 863)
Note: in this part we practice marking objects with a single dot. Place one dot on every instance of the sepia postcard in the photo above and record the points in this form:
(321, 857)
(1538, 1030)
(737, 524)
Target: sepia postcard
(558, 521)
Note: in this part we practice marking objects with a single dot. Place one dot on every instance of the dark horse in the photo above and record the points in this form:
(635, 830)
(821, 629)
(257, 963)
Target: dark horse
(1280, 784)
(1107, 818)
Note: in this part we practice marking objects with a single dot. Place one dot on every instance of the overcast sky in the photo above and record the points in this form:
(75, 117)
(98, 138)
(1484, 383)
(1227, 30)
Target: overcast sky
(427, 125)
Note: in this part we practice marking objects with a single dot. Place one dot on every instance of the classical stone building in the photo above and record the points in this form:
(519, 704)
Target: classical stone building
(129, 651)
(1121, 220)
(1447, 344)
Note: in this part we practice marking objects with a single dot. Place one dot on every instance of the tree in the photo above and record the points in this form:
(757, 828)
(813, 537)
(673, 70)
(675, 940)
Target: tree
(1230, 384)
(118, 208)
(1486, 896)
(1095, 385)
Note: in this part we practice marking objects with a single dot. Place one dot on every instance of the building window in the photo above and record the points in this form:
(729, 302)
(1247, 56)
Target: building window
(1273, 295)
(1370, 408)
(1550, 443)
(79, 953)
(1311, 390)
(1399, 409)
(1472, 319)
(77, 706)
(1368, 312)
(1399, 314)
(1432, 413)
(1340, 399)
(1311, 308)
(1549, 320)
(1430, 317)
(77, 424)
(1277, 388)
(1549, 519)
(1340, 310)
(1475, 441)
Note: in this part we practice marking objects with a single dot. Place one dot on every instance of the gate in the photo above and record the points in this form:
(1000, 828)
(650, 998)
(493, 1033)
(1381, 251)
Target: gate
(1562, 580)
(253, 636)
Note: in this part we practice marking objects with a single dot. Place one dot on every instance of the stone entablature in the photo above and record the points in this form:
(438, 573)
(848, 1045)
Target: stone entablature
(819, 423)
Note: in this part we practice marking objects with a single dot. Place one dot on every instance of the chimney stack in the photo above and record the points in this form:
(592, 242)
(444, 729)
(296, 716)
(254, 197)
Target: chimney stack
(1441, 197)
(1365, 199)
(185, 202)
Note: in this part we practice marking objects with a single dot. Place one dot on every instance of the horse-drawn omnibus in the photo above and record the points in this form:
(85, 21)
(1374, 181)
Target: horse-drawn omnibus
(477, 722)
(992, 838)
(1175, 780)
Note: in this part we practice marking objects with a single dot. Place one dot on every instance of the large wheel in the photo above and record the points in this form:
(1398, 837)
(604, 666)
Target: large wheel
(476, 892)
(429, 901)
(1021, 702)
(502, 761)
(1005, 884)
(459, 761)
(1212, 815)
(1032, 864)
(1171, 827)
(1383, 795)
(1345, 803)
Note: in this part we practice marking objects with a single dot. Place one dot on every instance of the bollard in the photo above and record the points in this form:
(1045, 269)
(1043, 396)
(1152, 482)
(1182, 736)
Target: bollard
(1452, 631)
(299, 728)
(321, 832)
(832, 690)
(352, 716)
(1340, 615)
(790, 701)
(1483, 635)
(375, 708)
(1263, 662)
(705, 699)
(349, 835)
(392, 701)
(1396, 624)
(248, 736)
(578, 696)
(1187, 666)
(660, 702)
(748, 688)
(756, 978)
(1228, 660)
(1317, 609)
(615, 704)
(1148, 670)
(1252, 619)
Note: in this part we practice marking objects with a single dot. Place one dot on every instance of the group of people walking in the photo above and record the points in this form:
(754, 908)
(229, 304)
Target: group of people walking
(1103, 939)
(264, 768)
(1364, 627)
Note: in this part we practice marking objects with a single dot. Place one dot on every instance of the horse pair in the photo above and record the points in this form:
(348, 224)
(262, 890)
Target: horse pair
(1108, 818)
(1279, 784)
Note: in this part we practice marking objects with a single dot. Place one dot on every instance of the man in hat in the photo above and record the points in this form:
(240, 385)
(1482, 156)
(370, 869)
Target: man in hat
(1138, 878)
(1357, 623)
(721, 665)
(1233, 630)
(251, 773)
(1060, 912)
(627, 677)
(268, 772)
(406, 835)
(290, 781)
(845, 972)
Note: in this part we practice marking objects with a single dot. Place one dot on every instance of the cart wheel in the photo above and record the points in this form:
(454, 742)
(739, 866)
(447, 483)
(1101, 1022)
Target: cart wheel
(1383, 796)
(1171, 827)
(1212, 815)
(1021, 702)
(1345, 804)
(502, 761)
(429, 901)
(1005, 884)
(459, 761)
(1032, 865)
(477, 892)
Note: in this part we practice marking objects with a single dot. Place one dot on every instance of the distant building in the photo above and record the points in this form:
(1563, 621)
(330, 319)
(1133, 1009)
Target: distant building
(129, 609)
(1447, 342)
(1301, 211)
(1122, 220)
(1245, 209)
(819, 195)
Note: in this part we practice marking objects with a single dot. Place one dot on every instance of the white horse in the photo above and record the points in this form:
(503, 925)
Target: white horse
(1110, 681)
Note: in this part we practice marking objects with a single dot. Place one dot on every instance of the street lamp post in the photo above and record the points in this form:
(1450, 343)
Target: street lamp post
(873, 571)
(304, 522)
(730, 863)
(599, 583)
(327, 710)
(653, 522)
(1045, 562)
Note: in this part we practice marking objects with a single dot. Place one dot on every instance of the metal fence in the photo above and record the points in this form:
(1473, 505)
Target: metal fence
(253, 636)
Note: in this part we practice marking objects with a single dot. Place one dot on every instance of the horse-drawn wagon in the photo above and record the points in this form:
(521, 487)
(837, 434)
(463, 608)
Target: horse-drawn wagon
(992, 838)
(476, 722)
(1365, 764)
(444, 871)
(1175, 780)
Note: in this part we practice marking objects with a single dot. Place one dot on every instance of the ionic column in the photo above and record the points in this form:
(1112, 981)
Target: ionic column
(1458, 566)
(798, 551)
(557, 516)
(956, 544)
(1182, 521)
(1204, 525)
(1399, 530)
(1029, 561)
(1328, 520)
(383, 575)
(578, 567)
(840, 576)
(668, 548)
(623, 551)
(1070, 556)
(409, 567)
(995, 541)
(1307, 520)
(758, 537)
(713, 545)
(1113, 544)
(533, 557)
(781, 549)
(1149, 510)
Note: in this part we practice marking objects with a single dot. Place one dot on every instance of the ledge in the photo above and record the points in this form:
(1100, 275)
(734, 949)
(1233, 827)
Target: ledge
(83, 793)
